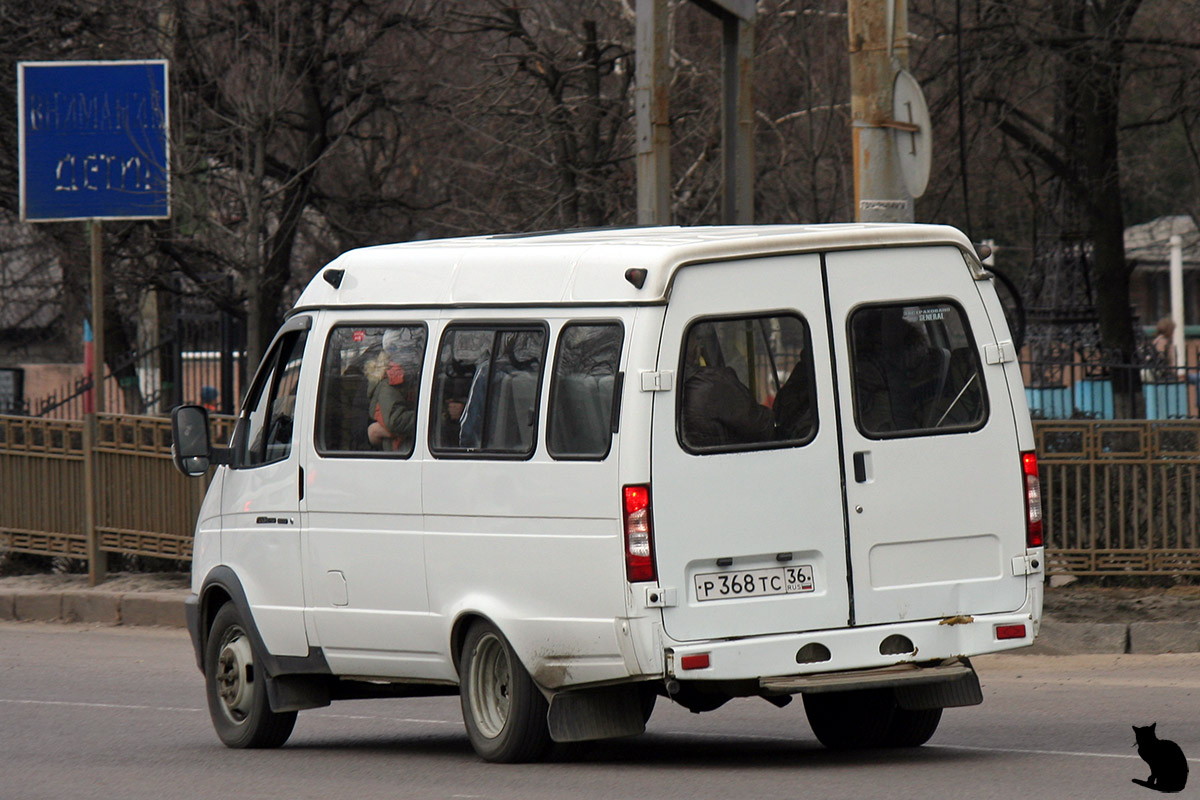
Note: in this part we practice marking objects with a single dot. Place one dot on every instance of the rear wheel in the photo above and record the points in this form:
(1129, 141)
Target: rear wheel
(851, 720)
(237, 689)
(912, 728)
(504, 712)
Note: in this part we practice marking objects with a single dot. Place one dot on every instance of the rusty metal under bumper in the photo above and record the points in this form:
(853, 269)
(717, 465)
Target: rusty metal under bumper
(939, 684)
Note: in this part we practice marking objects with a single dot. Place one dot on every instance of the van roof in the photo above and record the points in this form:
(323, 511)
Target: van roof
(586, 267)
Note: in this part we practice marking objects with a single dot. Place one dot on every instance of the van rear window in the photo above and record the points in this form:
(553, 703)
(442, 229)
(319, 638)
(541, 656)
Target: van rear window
(747, 384)
(916, 370)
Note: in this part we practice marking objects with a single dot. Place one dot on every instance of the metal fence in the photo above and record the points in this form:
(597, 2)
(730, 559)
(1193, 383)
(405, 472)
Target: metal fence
(1119, 497)
(87, 489)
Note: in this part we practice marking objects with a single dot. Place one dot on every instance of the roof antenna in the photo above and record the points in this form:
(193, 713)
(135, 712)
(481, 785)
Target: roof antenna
(334, 277)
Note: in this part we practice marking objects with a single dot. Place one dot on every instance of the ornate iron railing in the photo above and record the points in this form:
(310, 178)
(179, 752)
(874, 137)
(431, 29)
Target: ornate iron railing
(1121, 497)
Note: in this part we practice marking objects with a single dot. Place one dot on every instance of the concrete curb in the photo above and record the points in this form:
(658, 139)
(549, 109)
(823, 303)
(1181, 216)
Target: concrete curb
(165, 609)
(1075, 638)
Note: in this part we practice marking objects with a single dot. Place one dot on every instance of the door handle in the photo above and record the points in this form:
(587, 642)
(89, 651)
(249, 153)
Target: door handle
(860, 466)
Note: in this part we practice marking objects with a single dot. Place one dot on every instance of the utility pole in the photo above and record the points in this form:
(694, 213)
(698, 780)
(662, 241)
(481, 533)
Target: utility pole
(651, 96)
(652, 104)
(887, 139)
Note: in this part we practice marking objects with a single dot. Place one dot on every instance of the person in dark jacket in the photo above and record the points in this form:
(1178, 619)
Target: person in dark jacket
(718, 409)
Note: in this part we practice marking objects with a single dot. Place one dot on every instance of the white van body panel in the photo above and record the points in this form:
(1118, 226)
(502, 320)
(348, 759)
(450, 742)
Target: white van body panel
(261, 531)
(206, 543)
(364, 553)
(535, 544)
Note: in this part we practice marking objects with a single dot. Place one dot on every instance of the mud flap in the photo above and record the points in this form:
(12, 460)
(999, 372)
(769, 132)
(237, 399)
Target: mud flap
(587, 714)
(962, 691)
(297, 692)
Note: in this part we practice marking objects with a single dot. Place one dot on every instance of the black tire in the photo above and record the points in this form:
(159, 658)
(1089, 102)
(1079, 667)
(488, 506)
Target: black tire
(649, 697)
(236, 686)
(502, 708)
(912, 728)
(851, 720)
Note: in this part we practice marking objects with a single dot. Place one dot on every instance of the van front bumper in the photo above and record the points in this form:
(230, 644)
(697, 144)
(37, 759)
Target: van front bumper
(846, 649)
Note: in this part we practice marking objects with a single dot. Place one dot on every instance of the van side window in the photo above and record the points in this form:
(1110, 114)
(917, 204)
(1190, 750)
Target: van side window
(915, 370)
(582, 390)
(747, 384)
(270, 409)
(369, 384)
(486, 389)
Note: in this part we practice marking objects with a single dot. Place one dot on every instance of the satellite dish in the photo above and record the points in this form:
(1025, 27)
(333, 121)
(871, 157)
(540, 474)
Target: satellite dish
(914, 147)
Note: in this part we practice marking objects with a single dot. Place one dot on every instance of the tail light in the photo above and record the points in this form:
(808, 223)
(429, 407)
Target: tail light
(1010, 631)
(639, 543)
(1033, 500)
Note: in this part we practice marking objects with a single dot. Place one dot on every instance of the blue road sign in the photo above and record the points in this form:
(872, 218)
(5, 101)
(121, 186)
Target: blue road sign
(94, 140)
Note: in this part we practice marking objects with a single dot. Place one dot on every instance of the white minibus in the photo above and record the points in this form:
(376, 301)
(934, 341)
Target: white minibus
(566, 475)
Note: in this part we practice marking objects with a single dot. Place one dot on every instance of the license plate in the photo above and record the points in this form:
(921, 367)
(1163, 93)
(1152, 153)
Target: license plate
(754, 582)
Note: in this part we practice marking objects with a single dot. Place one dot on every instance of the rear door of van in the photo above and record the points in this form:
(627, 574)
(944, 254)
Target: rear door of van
(934, 480)
(834, 451)
(749, 524)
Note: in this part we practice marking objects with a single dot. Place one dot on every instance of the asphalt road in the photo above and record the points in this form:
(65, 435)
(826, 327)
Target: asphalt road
(88, 712)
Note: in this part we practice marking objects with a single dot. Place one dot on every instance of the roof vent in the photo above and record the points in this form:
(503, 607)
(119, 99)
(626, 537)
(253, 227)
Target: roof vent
(334, 277)
(636, 276)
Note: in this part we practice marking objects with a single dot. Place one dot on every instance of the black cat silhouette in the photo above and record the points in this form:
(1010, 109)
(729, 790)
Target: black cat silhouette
(1168, 766)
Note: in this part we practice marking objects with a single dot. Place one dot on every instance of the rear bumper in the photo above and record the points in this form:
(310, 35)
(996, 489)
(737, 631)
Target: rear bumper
(950, 670)
(846, 649)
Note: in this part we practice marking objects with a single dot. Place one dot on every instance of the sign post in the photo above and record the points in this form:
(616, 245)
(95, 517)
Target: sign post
(94, 145)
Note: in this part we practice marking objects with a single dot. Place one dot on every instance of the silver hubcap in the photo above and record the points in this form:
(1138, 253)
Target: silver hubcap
(235, 667)
(490, 686)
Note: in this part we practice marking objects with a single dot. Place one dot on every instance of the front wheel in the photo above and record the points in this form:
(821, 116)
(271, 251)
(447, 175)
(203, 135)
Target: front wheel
(237, 690)
(504, 712)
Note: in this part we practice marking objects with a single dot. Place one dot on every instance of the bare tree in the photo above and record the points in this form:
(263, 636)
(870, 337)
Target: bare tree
(1073, 91)
(802, 98)
(273, 91)
(547, 104)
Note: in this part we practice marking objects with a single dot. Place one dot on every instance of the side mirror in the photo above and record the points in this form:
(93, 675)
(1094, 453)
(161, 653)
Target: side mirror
(190, 447)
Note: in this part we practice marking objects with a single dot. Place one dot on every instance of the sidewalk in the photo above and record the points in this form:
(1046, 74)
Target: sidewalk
(1077, 620)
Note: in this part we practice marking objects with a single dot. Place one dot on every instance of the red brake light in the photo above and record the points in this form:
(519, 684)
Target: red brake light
(1033, 500)
(639, 544)
(636, 498)
(1010, 631)
(698, 661)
